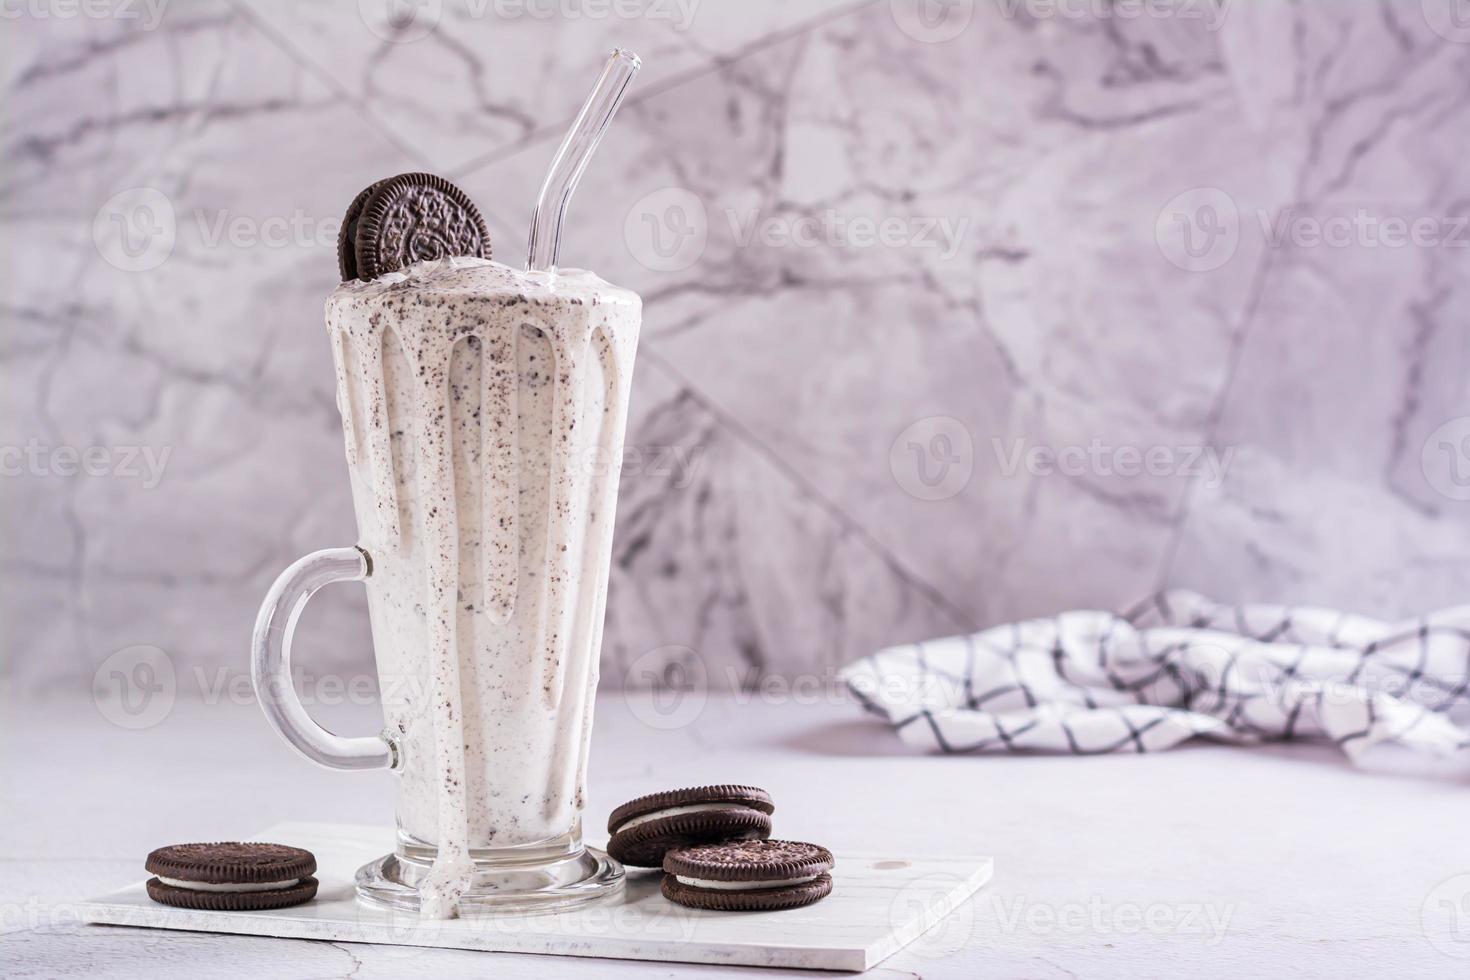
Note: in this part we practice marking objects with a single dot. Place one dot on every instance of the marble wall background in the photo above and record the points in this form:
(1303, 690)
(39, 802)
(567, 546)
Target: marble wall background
(955, 311)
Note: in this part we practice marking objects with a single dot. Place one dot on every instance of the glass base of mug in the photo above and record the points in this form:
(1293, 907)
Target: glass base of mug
(515, 886)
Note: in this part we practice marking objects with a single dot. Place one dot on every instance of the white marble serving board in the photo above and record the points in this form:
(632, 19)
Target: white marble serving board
(879, 903)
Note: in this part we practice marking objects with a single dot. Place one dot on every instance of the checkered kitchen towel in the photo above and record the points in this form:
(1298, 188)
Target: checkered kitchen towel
(1178, 667)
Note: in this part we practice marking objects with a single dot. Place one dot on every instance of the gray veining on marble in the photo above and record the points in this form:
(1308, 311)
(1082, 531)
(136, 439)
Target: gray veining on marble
(954, 313)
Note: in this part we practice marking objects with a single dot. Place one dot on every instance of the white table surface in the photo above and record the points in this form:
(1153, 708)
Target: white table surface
(1119, 866)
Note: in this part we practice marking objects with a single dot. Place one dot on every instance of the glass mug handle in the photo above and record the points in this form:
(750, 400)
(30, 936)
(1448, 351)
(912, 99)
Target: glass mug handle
(270, 663)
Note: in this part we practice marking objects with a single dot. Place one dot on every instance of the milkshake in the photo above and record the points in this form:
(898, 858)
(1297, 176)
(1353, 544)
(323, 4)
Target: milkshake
(483, 411)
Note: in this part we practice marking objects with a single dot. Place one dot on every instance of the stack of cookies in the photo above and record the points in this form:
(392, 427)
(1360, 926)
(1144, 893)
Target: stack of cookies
(712, 843)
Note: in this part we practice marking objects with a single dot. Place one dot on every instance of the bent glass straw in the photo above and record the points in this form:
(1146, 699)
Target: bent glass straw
(571, 158)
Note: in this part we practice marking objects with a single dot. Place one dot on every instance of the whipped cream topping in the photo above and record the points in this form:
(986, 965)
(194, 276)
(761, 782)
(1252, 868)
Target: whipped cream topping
(473, 278)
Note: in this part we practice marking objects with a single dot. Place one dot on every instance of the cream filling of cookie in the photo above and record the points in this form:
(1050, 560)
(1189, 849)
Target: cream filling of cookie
(743, 886)
(674, 811)
(207, 886)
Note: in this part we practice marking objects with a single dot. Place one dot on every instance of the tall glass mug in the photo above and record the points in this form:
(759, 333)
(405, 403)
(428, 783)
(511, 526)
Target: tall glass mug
(483, 411)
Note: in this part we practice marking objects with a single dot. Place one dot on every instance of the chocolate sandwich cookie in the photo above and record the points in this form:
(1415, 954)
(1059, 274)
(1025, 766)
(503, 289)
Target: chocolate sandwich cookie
(231, 876)
(748, 876)
(406, 219)
(644, 829)
(347, 234)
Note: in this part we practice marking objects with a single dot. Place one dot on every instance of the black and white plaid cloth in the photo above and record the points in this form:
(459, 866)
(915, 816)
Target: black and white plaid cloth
(1179, 667)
